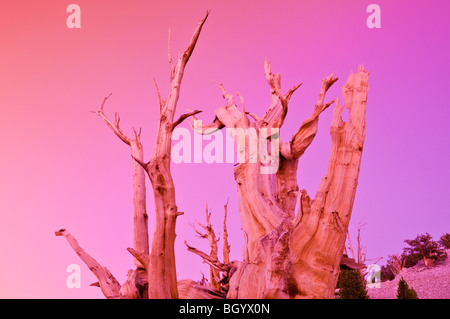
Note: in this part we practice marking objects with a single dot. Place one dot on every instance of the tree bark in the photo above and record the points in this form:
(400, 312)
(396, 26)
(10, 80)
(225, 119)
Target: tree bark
(106, 281)
(218, 285)
(212, 240)
(136, 285)
(155, 275)
(290, 254)
(162, 276)
(140, 224)
(293, 244)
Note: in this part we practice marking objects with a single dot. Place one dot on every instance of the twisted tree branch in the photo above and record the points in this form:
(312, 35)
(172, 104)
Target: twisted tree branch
(108, 284)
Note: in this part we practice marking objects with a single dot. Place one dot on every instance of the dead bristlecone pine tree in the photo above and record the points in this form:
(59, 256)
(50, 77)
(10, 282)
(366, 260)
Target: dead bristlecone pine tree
(293, 244)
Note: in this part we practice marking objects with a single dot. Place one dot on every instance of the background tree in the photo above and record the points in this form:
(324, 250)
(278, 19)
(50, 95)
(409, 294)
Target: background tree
(424, 247)
(219, 271)
(404, 291)
(360, 256)
(293, 244)
(395, 263)
(352, 285)
(444, 240)
(410, 259)
(386, 273)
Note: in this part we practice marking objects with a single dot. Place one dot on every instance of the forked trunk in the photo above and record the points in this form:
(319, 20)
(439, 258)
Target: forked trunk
(293, 245)
(292, 253)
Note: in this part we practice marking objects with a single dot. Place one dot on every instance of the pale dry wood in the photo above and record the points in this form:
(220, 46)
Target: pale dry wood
(162, 276)
(219, 271)
(136, 285)
(161, 261)
(212, 240)
(288, 253)
(183, 117)
(396, 263)
(155, 273)
(226, 246)
(361, 252)
(293, 244)
(211, 261)
(307, 131)
(140, 217)
(106, 281)
(113, 125)
(189, 289)
(143, 259)
(318, 240)
(360, 256)
(351, 263)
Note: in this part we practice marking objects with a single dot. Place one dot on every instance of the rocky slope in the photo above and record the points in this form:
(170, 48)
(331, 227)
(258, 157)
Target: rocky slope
(429, 283)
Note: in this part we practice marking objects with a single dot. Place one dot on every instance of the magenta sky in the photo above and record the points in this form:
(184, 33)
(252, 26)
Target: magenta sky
(60, 166)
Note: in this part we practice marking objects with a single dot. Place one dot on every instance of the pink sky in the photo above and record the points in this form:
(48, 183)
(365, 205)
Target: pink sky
(60, 166)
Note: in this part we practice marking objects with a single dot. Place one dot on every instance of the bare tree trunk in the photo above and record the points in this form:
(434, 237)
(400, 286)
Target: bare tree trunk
(140, 218)
(293, 245)
(361, 253)
(212, 240)
(106, 281)
(161, 270)
(428, 262)
(155, 276)
(290, 254)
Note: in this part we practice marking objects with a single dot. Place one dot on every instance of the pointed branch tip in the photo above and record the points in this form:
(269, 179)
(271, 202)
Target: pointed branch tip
(183, 117)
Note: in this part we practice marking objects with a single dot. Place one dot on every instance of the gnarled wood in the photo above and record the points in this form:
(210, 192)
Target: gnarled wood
(140, 217)
(289, 254)
(293, 244)
(318, 240)
(212, 240)
(159, 263)
(217, 282)
(161, 269)
(106, 281)
(226, 246)
(189, 289)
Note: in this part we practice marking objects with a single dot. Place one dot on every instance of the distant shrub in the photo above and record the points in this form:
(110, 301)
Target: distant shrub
(395, 263)
(404, 292)
(386, 273)
(352, 285)
(445, 241)
(424, 247)
(410, 259)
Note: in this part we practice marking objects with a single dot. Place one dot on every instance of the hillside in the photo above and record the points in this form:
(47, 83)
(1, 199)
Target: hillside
(429, 283)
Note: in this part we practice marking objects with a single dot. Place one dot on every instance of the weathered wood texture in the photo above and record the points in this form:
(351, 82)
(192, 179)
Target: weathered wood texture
(156, 267)
(289, 253)
(293, 244)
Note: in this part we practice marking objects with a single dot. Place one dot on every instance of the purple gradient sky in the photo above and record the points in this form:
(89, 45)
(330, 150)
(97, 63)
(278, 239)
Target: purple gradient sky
(60, 166)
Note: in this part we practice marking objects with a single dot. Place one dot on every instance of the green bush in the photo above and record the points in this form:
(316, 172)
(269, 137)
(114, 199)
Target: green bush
(386, 274)
(404, 292)
(410, 259)
(445, 240)
(351, 285)
(423, 247)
